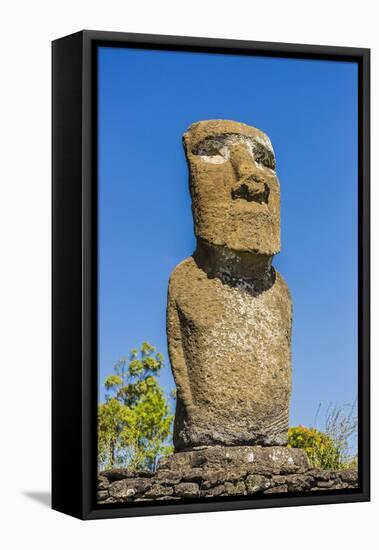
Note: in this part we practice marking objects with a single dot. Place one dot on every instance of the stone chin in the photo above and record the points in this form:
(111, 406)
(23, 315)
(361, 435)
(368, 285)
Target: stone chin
(240, 231)
(245, 237)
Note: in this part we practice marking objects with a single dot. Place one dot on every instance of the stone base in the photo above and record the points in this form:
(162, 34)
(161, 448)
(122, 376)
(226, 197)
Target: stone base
(271, 459)
(222, 471)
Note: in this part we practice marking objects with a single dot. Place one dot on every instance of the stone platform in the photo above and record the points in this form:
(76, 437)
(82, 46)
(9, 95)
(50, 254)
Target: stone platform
(222, 471)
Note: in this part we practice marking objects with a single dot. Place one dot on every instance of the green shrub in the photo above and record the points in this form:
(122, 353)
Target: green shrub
(351, 464)
(341, 425)
(320, 448)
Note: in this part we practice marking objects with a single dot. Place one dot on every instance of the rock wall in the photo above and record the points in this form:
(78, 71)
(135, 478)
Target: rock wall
(244, 472)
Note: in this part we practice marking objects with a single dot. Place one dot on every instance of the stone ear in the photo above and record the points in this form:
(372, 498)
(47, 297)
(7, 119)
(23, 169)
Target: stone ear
(188, 146)
(186, 143)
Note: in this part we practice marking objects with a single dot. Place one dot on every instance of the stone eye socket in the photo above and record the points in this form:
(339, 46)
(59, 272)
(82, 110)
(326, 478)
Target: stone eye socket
(216, 150)
(263, 156)
(209, 148)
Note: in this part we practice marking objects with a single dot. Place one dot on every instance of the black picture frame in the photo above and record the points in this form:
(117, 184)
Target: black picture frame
(74, 271)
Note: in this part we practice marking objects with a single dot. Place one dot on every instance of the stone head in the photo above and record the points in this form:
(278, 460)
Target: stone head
(234, 187)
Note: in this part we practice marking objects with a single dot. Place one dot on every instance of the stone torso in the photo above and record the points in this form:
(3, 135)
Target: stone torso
(231, 358)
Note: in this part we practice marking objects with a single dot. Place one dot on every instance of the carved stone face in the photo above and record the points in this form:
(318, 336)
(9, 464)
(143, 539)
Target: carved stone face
(234, 187)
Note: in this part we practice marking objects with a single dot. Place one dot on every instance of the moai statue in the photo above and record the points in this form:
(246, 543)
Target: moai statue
(229, 311)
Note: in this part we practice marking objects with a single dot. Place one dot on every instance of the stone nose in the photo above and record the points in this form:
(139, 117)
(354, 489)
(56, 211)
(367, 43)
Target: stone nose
(250, 185)
(251, 188)
(242, 162)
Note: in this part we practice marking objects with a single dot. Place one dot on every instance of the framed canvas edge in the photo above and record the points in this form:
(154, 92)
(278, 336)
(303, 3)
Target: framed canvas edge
(87, 507)
(67, 318)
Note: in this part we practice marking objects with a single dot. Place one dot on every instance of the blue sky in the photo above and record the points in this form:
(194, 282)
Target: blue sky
(147, 99)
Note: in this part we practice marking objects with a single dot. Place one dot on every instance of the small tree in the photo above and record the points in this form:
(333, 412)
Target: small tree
(135, 422)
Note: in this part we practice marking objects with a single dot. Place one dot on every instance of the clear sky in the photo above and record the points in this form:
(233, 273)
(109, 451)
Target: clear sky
(147, 99)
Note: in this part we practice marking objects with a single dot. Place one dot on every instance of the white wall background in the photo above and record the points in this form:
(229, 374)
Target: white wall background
(27, 29)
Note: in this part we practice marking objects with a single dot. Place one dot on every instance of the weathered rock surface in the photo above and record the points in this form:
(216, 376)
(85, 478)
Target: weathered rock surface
(263, 459)
(229, 312)
(219, 472)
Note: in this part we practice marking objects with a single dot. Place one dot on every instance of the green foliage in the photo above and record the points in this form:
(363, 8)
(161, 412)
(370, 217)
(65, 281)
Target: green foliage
(331, 448)
(320, 448)
(341, 425)
(352, 463)
(135, 421)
